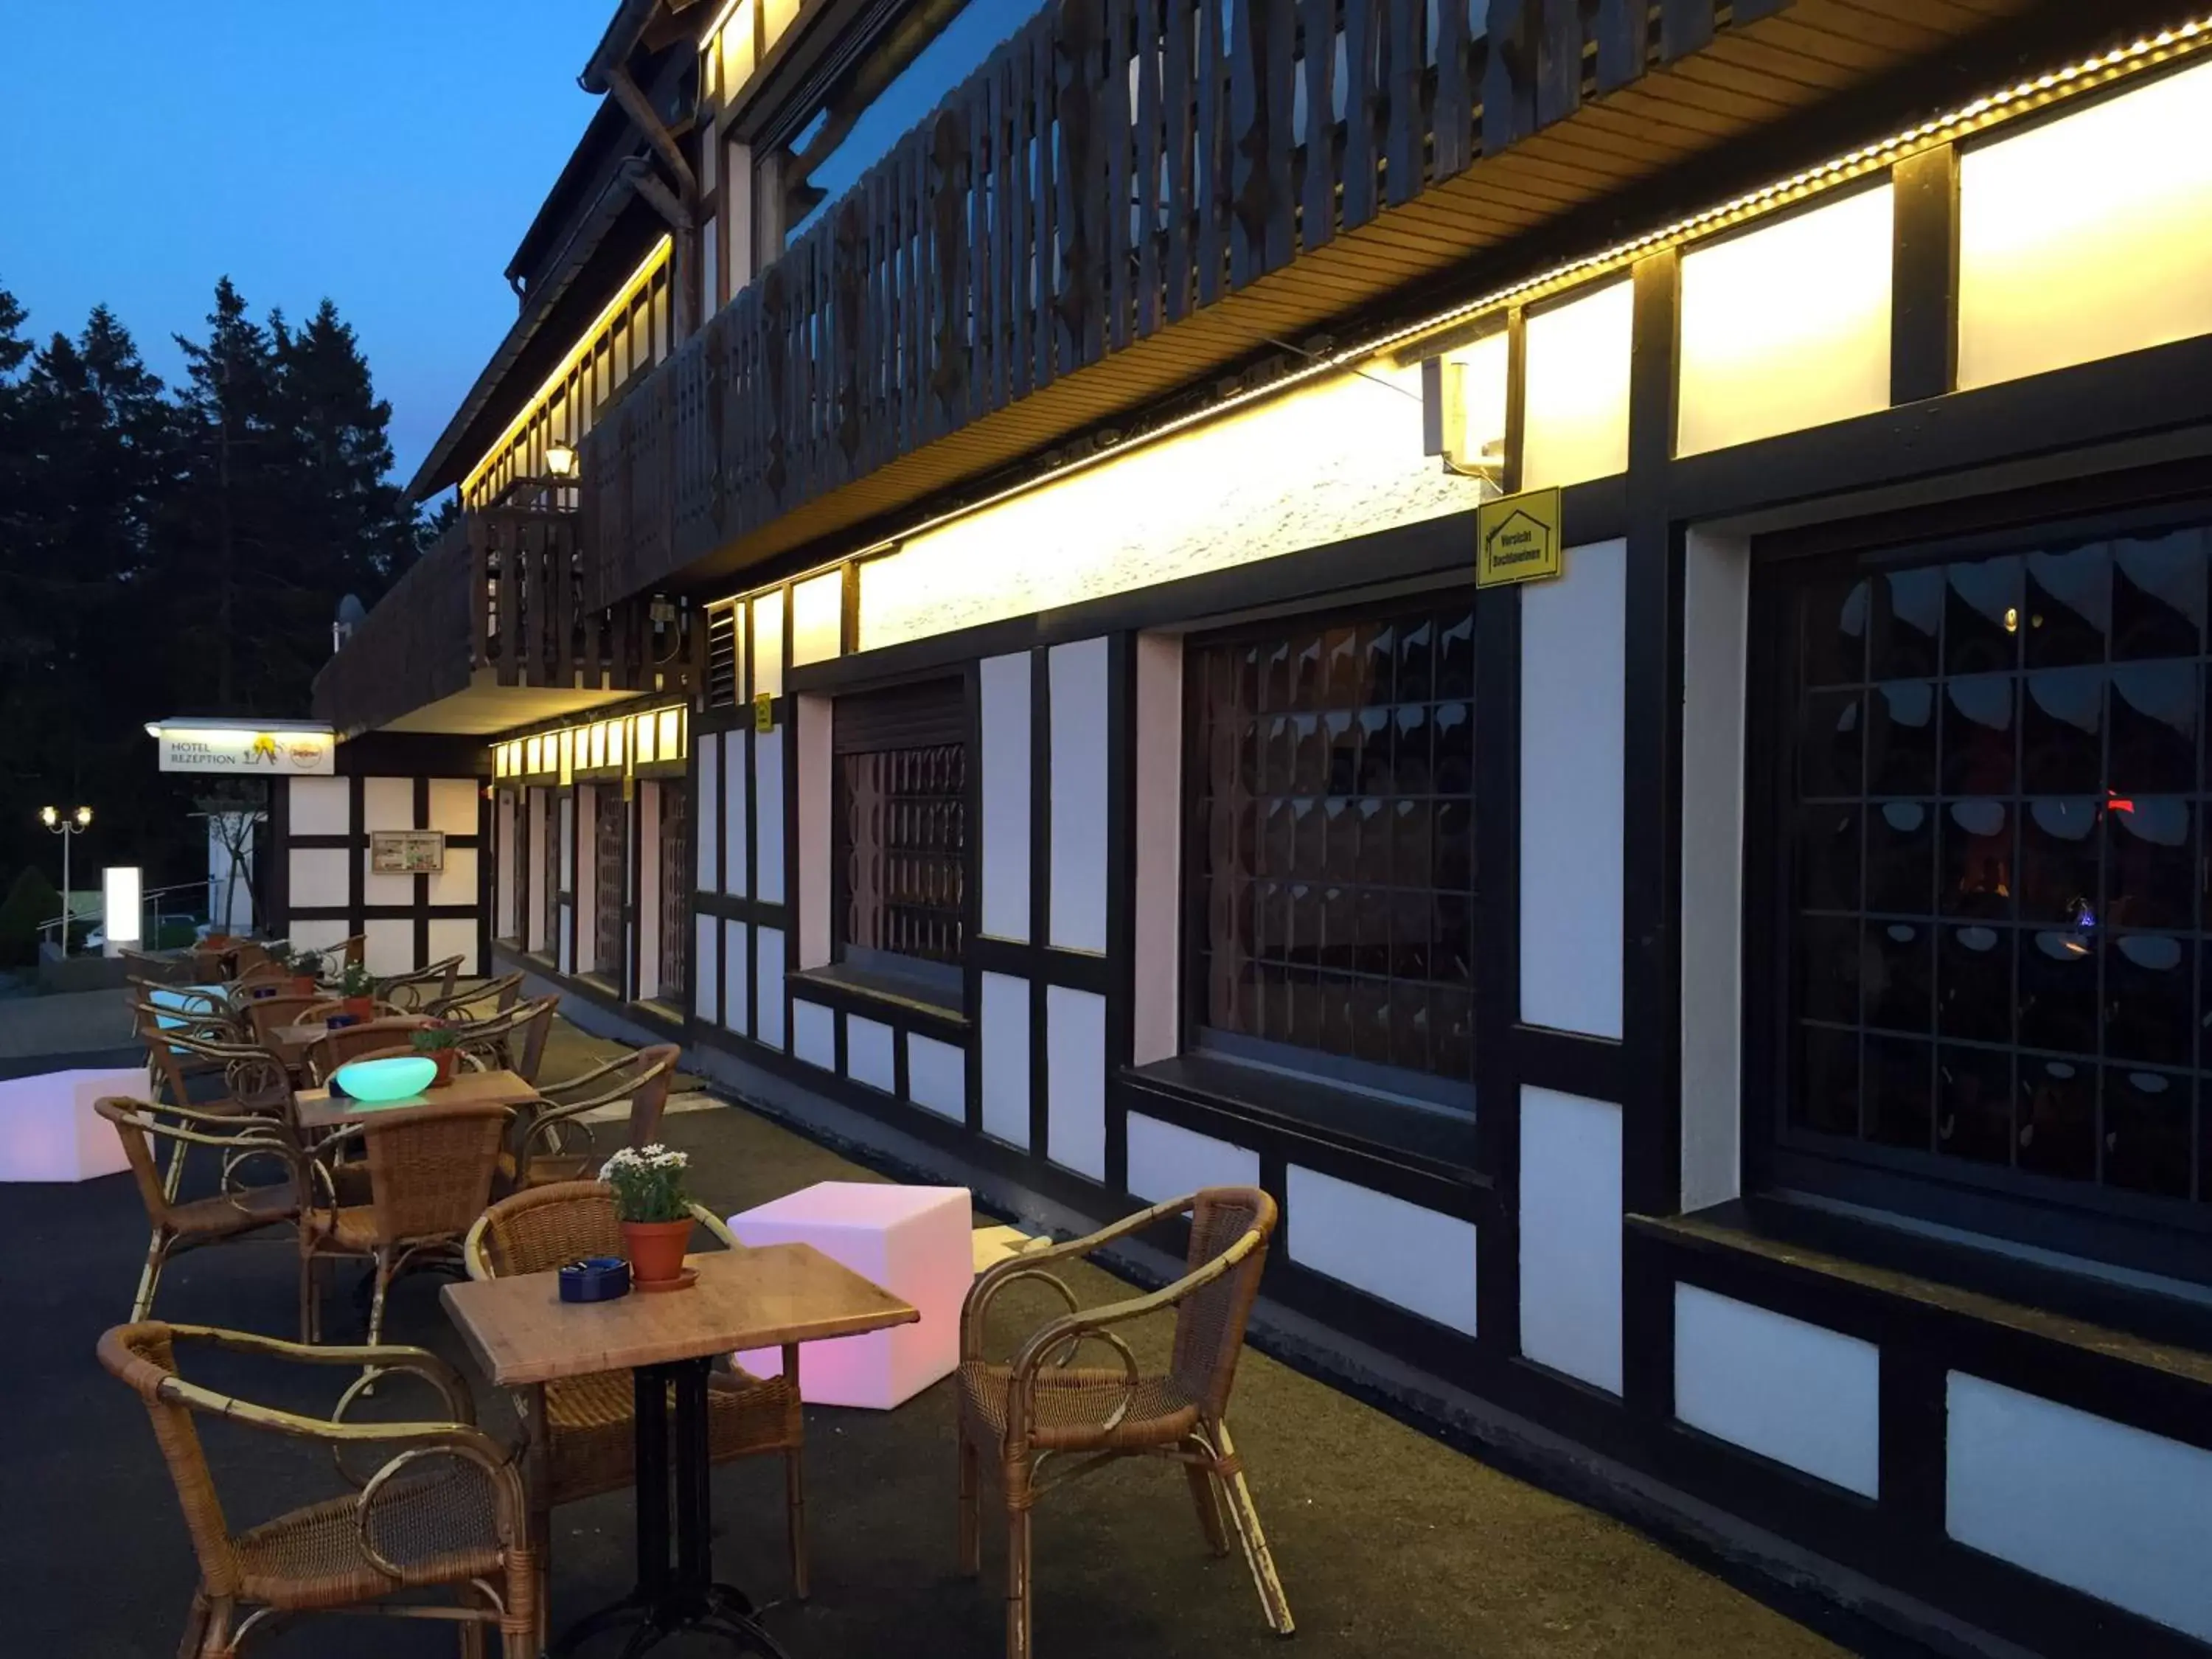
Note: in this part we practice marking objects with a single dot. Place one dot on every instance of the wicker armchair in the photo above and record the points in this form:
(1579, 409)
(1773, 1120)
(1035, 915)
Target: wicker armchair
(492, 997)
(429, 1178)
(514, 1041)
(264, 1014)
(416, 991)
(445, 1511)
(580, 1432)
(233, 1213)
(546, 1155)
(1039, 1407)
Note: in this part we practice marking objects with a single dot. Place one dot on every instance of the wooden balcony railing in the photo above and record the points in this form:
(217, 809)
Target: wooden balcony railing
(499, 602)
(1115, 169)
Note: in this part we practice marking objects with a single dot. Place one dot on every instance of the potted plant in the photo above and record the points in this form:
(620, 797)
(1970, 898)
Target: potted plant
(355, 986)
(299, 967)
(654, 1212)
(443, 1044)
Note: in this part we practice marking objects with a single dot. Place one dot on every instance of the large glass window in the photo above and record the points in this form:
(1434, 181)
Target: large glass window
(1993, 932)
(1331, 789)
(900, 812)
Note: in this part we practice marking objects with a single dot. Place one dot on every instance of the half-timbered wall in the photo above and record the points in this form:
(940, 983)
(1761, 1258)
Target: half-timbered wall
(1579, 1249)
(324, 889)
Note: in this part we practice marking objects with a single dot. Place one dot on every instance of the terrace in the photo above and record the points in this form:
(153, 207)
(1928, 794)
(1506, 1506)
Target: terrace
(1388, 1541)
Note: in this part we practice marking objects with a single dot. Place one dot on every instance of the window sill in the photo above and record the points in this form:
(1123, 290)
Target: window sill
(2080, 1307)
(887, 997)
(1342, 1116)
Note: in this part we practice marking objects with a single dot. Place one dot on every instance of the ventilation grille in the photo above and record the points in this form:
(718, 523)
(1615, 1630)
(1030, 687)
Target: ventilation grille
(722, 657)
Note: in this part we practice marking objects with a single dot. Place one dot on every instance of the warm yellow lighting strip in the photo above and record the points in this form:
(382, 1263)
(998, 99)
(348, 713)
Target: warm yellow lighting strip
(2024, 98)
(620, 742)
(586, 343)
(2014, 102)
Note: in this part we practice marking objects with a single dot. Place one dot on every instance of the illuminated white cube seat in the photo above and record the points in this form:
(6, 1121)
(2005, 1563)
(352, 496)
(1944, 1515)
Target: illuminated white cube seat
(914, 1242)
(49, 1132)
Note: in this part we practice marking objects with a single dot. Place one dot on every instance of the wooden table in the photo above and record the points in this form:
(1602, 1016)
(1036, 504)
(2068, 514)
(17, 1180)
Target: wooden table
(316, 1110)
(523, 1333)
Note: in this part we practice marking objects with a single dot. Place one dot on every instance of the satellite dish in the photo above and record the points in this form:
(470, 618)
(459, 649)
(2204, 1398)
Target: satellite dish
(351, 613)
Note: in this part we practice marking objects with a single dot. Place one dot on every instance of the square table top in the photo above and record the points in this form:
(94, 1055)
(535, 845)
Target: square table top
(521, 1332)
(316, 1110)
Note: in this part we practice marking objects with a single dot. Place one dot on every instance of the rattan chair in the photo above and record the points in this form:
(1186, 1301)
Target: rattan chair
(264, 1014)
(1039, 1406)
(144, 967)
(514, 1041)
(417, 990)
(547, 1151)
(580, 1429)
(445, 1511)
(235, 1211)
(430, 1171)
(479, 1002)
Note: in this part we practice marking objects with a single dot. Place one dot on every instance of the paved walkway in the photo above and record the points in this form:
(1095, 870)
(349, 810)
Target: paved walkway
(1389, 1543)
(73, 1023)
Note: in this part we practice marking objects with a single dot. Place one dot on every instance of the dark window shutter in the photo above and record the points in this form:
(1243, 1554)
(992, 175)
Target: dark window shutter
(922, 716)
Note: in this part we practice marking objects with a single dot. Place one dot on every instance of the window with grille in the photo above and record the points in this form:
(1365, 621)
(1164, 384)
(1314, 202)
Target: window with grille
(901, 813)
(1332, 848)
(1990, 938)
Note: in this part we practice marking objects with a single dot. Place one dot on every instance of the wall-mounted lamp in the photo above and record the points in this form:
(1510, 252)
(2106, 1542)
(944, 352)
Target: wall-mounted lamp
(561, 460)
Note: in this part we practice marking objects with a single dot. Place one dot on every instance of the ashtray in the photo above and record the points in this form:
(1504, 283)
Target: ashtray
(595, 1278)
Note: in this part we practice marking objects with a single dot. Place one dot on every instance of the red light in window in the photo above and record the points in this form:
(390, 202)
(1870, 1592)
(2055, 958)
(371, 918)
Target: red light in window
(2117, 805)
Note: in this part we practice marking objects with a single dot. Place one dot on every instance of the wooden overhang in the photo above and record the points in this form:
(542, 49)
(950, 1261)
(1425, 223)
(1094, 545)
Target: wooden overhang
(917, 346)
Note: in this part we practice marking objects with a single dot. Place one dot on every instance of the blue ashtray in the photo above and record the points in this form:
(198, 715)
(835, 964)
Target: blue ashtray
(339, 1021)
(595, 1278)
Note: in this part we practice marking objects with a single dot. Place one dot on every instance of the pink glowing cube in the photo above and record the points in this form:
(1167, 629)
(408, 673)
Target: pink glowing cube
(914, 1242)
(49, 1132)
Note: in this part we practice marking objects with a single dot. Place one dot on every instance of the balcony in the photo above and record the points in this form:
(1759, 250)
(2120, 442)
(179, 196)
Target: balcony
(1131, 195)
(489, 629)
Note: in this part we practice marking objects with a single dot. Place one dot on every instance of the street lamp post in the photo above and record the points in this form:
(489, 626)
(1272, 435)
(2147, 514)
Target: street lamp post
(69, 829)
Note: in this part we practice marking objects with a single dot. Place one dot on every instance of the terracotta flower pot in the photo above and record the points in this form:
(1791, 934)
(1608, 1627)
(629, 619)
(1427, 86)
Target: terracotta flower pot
(362, 1008)
(655, 1249)
(301, 985)
(447, 1058)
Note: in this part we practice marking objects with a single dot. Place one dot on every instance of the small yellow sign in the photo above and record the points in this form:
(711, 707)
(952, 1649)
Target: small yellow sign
(630, 787)
(764, 712)
(1518, 539)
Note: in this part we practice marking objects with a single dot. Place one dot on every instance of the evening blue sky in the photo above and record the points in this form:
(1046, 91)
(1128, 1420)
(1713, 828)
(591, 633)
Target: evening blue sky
(388, 154)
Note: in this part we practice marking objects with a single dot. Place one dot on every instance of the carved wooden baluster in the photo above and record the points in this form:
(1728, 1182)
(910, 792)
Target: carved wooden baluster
(1176, 51)
(773, 284)
(1361, 109)
(1509, 81)
(948, 267)
(1317, 199)
(1075, 93)
(851, 242)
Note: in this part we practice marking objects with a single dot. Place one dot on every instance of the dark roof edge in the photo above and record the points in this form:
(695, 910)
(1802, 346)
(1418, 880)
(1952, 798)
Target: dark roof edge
(439, 467)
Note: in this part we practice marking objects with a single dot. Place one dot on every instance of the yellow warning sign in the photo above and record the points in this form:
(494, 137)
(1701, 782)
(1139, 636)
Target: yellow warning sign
(1518, 539)
(764, 711)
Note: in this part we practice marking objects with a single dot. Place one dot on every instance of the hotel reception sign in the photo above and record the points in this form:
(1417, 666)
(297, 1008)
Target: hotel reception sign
(269, 754)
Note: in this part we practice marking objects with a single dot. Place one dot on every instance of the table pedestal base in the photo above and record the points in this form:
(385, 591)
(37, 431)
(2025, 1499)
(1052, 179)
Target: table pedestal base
(682, 1595)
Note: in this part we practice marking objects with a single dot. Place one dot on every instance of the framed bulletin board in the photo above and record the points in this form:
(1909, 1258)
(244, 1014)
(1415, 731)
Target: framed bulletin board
(406, 852)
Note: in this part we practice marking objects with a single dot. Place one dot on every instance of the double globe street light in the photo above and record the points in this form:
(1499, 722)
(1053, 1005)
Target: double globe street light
(69, 829)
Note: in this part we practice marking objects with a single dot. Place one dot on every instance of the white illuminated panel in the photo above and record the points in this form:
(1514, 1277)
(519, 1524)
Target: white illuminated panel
(120, 903)
(1339, 458)
(768, 644)
(816, 614)
(1574, 422)
(1787, 326)
(2089, 235)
